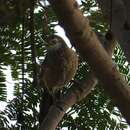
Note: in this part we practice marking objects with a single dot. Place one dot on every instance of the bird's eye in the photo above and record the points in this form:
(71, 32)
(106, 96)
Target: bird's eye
(54, 41)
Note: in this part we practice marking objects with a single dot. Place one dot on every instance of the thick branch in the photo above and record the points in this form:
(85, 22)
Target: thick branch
(89, 47)
(120, 21)
(55, 114)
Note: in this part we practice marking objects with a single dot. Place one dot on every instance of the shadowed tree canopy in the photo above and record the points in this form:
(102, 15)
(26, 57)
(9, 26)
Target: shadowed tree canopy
(99, 96)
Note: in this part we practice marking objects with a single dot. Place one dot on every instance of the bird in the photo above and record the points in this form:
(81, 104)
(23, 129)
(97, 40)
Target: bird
(59, 66)
(58, 69)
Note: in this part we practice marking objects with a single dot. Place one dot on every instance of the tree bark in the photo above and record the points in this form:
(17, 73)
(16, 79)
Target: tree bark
(89, 47)
(120, 21)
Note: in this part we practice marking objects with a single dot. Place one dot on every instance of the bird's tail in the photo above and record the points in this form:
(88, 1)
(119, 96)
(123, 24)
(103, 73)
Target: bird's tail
(45, 104)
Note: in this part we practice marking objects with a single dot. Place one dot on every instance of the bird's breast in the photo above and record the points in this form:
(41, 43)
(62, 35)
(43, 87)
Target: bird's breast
(60, 68)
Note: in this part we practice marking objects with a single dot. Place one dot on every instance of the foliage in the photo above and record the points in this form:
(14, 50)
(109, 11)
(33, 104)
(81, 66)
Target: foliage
(95, 112)
(3, 93)
(24, 111)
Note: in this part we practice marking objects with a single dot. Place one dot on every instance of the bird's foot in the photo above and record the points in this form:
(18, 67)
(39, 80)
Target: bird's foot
(57, 100)
(77, 84)
(59, 105)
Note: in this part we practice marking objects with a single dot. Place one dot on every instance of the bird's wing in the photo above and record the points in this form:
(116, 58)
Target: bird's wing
(72, 65)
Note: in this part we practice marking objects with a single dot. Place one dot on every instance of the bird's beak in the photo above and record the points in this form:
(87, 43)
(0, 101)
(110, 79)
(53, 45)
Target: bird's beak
(48, 45)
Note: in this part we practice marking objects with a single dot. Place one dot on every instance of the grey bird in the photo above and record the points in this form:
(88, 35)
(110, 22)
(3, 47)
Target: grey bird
(58, 68)
(60, 64)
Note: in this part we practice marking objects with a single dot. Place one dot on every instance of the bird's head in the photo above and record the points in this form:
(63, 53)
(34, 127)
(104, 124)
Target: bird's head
(55, 42)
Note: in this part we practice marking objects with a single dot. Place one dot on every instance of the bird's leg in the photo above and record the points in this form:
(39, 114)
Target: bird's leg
(77, 84)
(58, 94)
(45, 104)
(52, 93)
(57, 97)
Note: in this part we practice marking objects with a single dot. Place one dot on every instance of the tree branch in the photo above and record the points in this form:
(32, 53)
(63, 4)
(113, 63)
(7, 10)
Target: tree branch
(55, 114)
(120, 21)
(32, 42)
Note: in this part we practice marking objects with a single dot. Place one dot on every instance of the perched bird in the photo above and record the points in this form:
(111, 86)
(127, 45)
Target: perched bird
(57, 69)
(60, 64)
